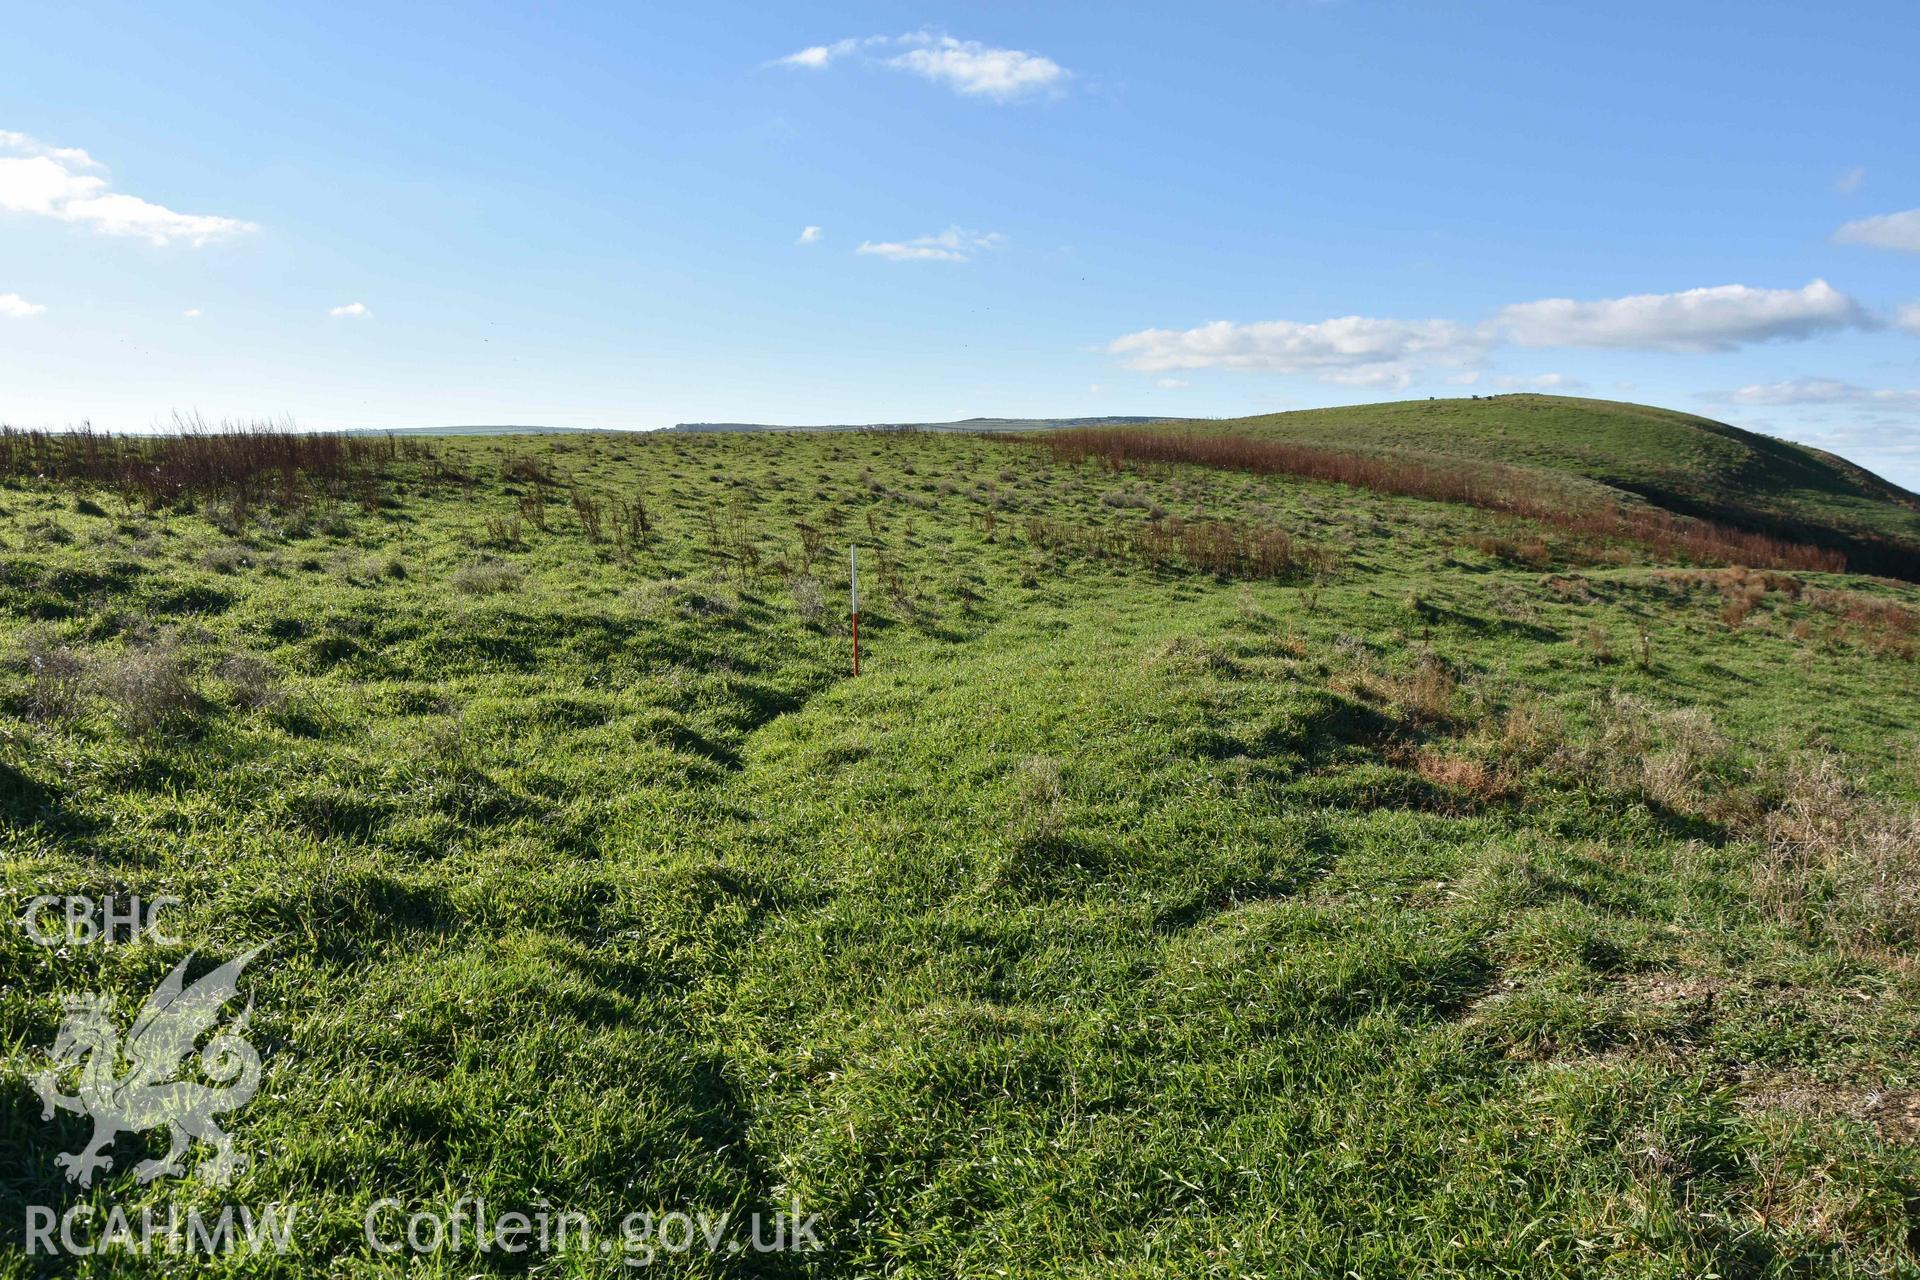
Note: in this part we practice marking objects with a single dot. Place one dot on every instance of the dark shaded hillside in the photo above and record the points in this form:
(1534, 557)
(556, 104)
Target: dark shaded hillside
(1684, 463)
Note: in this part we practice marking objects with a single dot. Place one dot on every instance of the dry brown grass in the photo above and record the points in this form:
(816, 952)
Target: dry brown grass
(1483, 783)
(56, 677)
(151, 689)
(1882, 627)
(1427, 694)
(1841, 863)
(1534, 553)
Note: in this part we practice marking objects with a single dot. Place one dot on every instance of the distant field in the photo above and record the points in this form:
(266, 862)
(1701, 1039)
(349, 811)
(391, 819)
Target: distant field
(1211, 873)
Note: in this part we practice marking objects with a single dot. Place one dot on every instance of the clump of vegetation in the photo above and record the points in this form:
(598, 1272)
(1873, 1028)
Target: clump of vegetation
(151, 688)
(809, 599)
(237, 466)
(1842, 864)
(56, 676)
(487, 578)
(252, 683)
(1042, 795)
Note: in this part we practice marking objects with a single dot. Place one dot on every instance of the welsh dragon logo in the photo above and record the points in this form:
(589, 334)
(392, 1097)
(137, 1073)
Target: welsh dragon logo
(148, 1094)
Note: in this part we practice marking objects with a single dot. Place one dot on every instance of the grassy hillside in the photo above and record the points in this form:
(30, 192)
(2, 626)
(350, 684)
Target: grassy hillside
(962, 424)
(1209, 873)
(1679, 461)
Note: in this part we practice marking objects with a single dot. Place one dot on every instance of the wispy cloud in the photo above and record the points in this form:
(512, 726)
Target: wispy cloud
(810, 235)
(1173, 384)
(1908, 317)
(54, 182)
(1350, 350)
(814, 56)
(1849, 182)
(1717, 319)
(1897, 231)
(967, 67)
(352, 310)
(955, 244)
(1539, 382)
(1823, 391)
(15, 307)
(191, 313)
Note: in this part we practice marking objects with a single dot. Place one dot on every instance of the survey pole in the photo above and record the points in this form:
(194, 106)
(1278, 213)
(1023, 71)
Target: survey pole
(853, 593)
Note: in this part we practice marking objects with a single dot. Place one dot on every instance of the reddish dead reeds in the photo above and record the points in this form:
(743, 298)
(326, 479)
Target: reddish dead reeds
(1490, 486)
(244, 464)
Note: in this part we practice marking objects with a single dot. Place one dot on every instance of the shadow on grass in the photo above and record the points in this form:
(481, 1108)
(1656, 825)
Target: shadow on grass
(26, 803)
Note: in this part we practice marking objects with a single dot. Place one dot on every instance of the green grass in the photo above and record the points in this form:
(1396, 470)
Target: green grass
(1428, 914)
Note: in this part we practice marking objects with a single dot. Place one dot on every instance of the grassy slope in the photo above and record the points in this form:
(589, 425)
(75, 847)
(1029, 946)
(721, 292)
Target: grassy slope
(1119, 921)
(1686, 463)
(963, 424)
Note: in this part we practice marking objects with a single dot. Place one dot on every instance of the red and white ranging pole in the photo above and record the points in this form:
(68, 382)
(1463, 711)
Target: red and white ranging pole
(853, 591)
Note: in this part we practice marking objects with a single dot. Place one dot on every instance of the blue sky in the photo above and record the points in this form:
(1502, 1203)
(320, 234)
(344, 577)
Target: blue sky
(370, 215)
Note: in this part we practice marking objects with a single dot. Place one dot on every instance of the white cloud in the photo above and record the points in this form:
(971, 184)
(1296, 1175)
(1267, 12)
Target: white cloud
(969, 67)
(1350, 350)
(1806, 391)
(814, 57)
(1368, 351)
(356, 310)
(1897, 231)
(1539, 382)
(1849, 182)
(191, 313)
(42, 185)
(1716, 319)
(952, 245)
(123, 215)
(1394, 375)
(810, 235)
(1095, 388)
(1908, 317)
(15, 307)
(45, 181)
(1173, 384)
(965, 66)
(21, 144)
